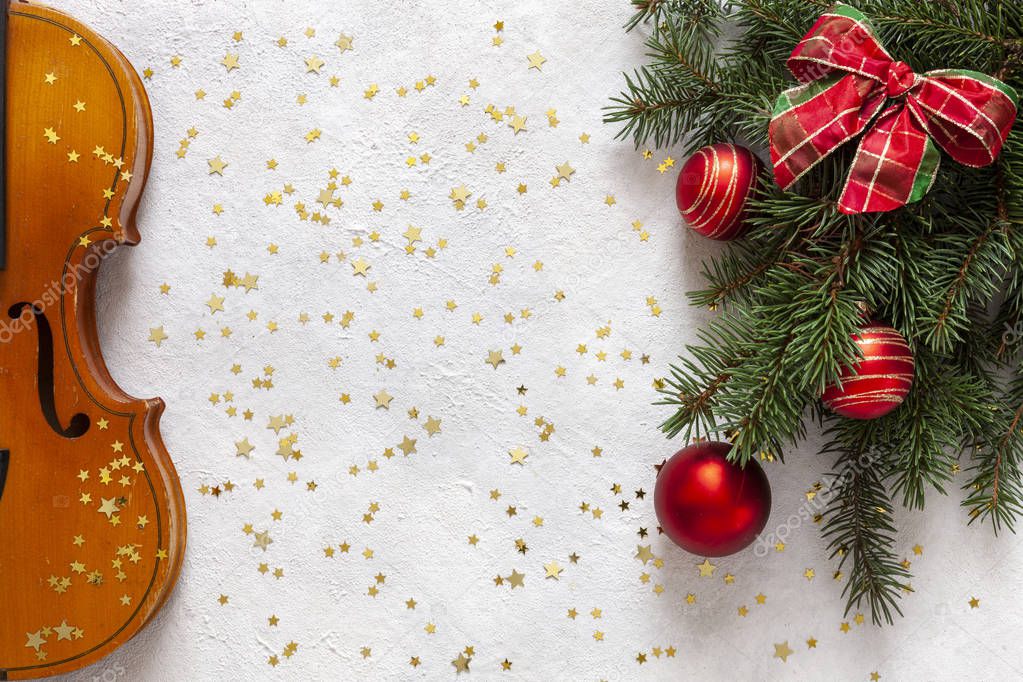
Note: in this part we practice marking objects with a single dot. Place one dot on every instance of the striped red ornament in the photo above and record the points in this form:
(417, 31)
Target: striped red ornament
(878, 383)
(713, 188)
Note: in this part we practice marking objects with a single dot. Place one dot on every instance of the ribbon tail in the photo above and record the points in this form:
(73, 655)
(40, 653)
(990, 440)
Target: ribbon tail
(811, 121)
(896, 164)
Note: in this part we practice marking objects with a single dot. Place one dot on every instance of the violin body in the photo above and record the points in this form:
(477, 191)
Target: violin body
(92, 521)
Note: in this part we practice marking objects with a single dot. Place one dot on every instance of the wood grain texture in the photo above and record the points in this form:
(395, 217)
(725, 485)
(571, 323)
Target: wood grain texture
(92, 520)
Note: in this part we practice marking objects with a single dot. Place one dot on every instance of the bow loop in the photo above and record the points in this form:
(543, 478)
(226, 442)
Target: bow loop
(968, 114)
(848, 77)
(841, 40)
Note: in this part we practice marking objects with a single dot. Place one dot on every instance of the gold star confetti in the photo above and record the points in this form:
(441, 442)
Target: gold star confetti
(517, 579)
(517, 123)
(782, 651)
(230, 61)
(313, 64)
(244, 448)
(405, 258)
(383, 399)
(217, 165)
(461, 663)
(536, 60)
(157, 335)
(344, 43)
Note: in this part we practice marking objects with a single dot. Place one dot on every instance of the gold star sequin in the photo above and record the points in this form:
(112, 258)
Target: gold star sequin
(262, 540)
(360, 267)
(157, 335)
(344, 43)
(461, 663)
(217, 165)
(215, 304)
(782, 651)
(518, 455)
(517, 579)
(313, 64)
(244, 448)
(517, 123)
(432, 426)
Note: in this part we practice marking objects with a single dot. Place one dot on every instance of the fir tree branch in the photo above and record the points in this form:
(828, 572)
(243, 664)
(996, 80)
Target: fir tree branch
(702, 13)
(705, 371)
(945, 409)
(911, 291)
(1000, 464)
(784, 23)
(979, 21)
(954, 296)
(971, 264)
(996, 485)
(729, 280)
(670, 96)
(1007, 326)
(762, 417)
(791, 290)
(645, 11)
(858, 522)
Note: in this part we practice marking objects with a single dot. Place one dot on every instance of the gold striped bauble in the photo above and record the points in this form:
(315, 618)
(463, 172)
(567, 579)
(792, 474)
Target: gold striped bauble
(877, 384)
(714, 187)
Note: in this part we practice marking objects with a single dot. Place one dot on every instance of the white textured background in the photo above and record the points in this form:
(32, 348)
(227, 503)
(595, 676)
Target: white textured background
(431, 501)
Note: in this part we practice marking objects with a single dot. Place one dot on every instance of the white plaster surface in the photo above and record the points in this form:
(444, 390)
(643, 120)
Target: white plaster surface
(432, 500)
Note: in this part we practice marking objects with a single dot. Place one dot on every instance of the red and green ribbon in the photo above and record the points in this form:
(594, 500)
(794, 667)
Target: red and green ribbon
(853, 88)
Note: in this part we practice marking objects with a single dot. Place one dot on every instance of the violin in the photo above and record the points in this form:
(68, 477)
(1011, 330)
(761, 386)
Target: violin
(92, 517)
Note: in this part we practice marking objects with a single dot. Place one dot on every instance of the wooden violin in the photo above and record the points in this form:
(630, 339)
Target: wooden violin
(92, 518)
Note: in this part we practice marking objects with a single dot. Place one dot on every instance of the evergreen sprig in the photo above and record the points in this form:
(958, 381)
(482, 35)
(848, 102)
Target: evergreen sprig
(946, 271)
(858, 524)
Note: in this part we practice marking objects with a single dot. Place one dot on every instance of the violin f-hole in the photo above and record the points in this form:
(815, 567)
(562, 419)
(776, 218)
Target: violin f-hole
(79, 422)
(5, 460)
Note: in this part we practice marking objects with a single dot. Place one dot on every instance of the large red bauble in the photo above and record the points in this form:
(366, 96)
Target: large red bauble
(708, 505)
(713, 188)
(877, 384)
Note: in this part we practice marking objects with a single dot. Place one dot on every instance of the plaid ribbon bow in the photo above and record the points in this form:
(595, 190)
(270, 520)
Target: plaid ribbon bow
(848, 78)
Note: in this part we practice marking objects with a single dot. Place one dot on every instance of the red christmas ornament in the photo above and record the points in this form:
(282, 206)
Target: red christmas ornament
(708, 505)
(713, 188)
(879, 382)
